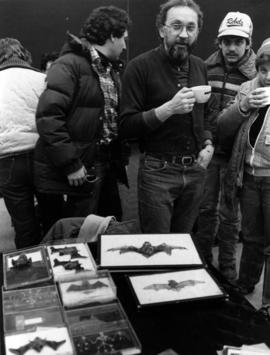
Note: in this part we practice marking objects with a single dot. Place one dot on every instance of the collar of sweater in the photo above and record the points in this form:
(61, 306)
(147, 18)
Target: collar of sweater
(14, 62)
(246, 65)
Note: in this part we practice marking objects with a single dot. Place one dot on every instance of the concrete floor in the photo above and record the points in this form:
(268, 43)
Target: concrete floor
(129, 202)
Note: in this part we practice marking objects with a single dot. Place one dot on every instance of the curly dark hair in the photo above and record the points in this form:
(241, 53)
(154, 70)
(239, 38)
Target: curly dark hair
(11, 47)
(165, 7)
(104, 22)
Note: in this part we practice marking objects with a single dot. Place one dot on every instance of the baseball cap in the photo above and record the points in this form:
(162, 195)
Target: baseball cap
(236, 24)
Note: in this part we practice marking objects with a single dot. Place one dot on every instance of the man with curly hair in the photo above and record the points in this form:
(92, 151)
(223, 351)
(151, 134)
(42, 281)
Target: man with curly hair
(78, 150)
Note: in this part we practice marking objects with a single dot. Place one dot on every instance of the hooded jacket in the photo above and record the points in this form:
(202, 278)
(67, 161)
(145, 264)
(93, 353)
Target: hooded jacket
(226, 83)
(233, 125)
(69, 119)
(20, 88)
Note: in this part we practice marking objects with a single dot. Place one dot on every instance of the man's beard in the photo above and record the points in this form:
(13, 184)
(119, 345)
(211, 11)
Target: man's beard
(180, 51)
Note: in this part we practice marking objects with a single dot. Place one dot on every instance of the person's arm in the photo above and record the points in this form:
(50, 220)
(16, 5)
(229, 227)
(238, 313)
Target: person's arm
(209, 133)
(51, 119)
(231, 118)
(136, 120)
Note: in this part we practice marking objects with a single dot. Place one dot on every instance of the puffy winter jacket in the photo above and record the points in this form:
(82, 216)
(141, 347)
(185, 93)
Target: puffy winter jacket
(69, 119)
(226, 83)
(20, 88)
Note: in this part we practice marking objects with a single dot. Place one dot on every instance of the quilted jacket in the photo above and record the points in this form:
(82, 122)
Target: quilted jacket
(233, 125)
(20, 88)
(69, 119)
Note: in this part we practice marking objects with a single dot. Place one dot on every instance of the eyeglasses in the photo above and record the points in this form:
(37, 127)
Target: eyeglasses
(178, 28)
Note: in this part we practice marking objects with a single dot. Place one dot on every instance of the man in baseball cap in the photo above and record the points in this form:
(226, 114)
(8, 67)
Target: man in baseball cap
(228, 67)
(236, 24)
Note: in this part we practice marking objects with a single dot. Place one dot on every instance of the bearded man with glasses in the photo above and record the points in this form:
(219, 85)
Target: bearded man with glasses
(158, 107)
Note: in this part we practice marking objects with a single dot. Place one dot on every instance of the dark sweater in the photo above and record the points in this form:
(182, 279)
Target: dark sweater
(150, 81)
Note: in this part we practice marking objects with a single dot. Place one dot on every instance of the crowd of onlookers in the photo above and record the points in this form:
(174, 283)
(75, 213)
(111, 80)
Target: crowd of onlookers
(204, 167)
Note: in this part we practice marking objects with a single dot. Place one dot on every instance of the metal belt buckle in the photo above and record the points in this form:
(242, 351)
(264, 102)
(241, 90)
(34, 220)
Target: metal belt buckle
(187, 160)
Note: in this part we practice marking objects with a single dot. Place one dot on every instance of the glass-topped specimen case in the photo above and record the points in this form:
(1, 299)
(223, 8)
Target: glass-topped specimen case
(71, 261)
(25, 321)
(25, 267)
(42, 341)
(144, 251)
(174, 287)
(98, 288)
(26, 299)
(102, 330)
(114, 341)
(97, 317)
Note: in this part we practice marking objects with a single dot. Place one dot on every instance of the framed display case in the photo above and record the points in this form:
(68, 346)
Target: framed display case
(147, 251)
(174, 286)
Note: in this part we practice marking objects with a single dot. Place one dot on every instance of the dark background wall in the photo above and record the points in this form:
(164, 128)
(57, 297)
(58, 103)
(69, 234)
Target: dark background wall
(143, 34)
(41, 24)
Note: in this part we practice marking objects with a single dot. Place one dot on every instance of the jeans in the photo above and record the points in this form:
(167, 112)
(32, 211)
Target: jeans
(255, 206)
(17, 188)
(168, 195)
(217, 219)
(109, 199)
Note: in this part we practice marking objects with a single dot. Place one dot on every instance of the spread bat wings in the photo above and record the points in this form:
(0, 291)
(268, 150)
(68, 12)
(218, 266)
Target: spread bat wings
(147, 249)
(85, 285)
(173, 285)
(37, 344)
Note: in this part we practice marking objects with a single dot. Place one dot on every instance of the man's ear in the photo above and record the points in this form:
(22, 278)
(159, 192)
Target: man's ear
(112, 38)
(161, 31)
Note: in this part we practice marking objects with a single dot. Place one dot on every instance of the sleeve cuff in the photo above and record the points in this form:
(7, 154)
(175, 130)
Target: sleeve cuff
(151, 119)
(207, 135)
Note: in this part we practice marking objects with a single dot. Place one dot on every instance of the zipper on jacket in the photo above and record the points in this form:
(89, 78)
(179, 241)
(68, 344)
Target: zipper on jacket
(256, 141)
(223, 87)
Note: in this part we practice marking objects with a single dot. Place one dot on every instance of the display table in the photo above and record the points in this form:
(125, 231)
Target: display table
(195, 328)
(189, 328)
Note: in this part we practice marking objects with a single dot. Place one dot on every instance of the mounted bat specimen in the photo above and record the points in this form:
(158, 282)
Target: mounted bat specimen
(69, 265)
(21, 262)
(147, 249)
(86, 286)
(71, 251)
(37, 344)
(173, 285)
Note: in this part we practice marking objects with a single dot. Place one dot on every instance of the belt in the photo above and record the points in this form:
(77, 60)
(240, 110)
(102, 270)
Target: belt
(185, 160)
